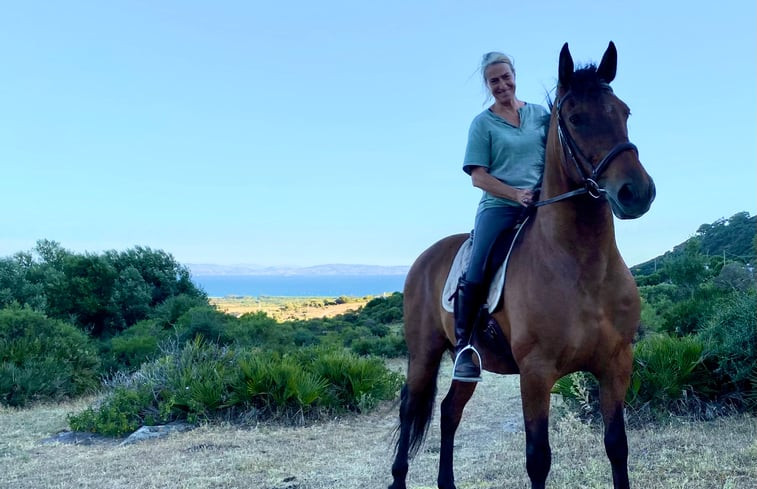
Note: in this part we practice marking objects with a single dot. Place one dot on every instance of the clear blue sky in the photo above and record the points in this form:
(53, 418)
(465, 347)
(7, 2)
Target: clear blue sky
(304, 133)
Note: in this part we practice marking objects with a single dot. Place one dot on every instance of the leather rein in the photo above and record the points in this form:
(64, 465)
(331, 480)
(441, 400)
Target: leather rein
(571, 151)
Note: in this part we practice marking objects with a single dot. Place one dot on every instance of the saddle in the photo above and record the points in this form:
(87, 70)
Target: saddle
(487, 336)
(495, 271)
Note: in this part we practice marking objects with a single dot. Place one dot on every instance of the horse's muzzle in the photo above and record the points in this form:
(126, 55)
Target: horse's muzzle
(632, 199)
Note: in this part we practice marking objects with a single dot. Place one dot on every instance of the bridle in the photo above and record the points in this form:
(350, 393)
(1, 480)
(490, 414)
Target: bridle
(571, 152)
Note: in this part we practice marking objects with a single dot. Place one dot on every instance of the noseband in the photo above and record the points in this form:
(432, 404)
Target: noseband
(572, 152)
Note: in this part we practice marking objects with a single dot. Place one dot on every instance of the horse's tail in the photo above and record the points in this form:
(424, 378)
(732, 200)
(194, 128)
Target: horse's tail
(416, 409)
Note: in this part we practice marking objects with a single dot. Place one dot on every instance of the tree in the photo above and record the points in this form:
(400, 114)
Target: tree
(734, 277)
(17, 284)
(131, 296)
(689, 269)
(160, 271)
(81, 291)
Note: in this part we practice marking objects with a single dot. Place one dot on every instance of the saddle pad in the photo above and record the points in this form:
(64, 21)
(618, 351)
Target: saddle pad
(460, 264)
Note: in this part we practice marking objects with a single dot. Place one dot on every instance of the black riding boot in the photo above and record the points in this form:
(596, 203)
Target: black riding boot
(467, 306)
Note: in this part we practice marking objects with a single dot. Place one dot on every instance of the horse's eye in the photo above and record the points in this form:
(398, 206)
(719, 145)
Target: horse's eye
(576, 119)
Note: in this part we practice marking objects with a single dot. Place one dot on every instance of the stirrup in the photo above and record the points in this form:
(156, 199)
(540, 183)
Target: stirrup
(480, 365)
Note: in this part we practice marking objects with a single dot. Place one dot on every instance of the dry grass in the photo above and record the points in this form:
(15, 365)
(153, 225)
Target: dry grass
(287, 308)
(356, 452)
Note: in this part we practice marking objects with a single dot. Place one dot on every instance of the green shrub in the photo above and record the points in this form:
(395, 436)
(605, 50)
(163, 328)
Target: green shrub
(205, 322)
(257, 329)
(168, 312)
(580, 391)
(43, 358)
(687, 316)
(278, 385)
(668, 376)
(192, 381)
(667, 372)
(357, 383)
(202, 381)
(134, 346)
(122, 411)
(384, 310)
(731, 340)
(389, 346)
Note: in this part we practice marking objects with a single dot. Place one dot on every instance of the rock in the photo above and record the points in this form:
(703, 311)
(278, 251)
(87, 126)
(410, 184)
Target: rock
(77, 438)
(288, 483)
(152, 432)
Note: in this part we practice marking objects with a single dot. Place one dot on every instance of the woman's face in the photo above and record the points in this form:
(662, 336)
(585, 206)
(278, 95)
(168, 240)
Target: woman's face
(501, 82)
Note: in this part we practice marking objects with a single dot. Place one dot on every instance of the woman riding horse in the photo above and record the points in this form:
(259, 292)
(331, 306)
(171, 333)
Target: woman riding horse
(505, 158)
(570, 303)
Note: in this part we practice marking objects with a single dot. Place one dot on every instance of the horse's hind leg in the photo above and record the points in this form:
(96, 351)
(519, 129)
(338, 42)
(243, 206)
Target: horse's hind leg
(416, 406)
(400, 465)
(452, 411)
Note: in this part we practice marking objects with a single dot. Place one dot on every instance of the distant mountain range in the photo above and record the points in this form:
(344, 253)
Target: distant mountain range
(202, 269)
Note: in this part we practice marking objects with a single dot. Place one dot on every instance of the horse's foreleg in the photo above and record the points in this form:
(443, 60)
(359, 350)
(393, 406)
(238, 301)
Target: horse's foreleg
(612, 397)
(535, 390)
(452, 411)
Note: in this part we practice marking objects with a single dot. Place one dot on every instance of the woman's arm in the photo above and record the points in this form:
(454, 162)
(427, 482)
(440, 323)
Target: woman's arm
(488, 183)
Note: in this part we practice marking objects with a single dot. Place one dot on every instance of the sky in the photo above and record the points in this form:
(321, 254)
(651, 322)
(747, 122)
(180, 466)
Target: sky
(303, 133)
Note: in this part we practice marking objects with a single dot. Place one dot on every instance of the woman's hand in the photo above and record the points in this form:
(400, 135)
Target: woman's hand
(525, 197)
(484, 181)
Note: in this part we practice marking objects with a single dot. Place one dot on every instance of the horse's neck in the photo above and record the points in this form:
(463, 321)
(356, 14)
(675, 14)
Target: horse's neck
(580, 225)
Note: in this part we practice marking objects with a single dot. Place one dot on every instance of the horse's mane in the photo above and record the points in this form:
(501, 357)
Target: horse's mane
(584, 80)
(587, 80)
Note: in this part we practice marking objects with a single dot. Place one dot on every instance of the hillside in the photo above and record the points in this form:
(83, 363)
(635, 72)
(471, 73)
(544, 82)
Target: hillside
(733, 238)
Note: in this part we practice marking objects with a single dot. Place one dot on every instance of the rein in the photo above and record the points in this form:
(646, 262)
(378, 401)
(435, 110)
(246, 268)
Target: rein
(571, 149)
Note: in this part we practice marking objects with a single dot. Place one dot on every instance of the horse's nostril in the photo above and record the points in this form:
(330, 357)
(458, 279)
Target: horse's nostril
(626, 194)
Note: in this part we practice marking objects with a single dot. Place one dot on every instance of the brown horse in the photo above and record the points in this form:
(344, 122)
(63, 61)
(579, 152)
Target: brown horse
(570, 303)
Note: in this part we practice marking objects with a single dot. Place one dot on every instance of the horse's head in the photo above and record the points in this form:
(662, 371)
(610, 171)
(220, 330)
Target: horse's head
(593, 133)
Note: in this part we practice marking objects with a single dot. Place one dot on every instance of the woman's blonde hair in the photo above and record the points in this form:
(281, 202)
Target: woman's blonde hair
(495, 57)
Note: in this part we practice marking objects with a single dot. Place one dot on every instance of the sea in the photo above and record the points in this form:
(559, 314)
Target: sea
(299, 285)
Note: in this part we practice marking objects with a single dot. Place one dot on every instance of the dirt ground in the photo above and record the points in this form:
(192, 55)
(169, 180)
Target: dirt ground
(356, 452)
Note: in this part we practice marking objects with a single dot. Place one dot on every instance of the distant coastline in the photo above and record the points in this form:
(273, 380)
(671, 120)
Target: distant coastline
(204, 269)
(299, 285)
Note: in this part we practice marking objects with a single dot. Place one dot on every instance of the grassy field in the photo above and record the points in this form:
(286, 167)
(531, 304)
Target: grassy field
(356, 452)
(289, 308)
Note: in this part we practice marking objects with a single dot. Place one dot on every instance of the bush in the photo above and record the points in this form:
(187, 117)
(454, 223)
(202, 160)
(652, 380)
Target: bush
(667, 372)
(204, 322)
(687, 316)
(278, 386)
(121, 412)
(385, 310)
(202, 381)
(134, 346)
(168, 312)
(43, 358)
(580, 391)
(357, 383)
(731, 340)
(389, 346)
(668, 376)
(257, 329)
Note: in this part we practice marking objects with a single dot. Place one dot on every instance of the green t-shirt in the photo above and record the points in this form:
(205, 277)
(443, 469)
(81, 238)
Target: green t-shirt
(514, 155)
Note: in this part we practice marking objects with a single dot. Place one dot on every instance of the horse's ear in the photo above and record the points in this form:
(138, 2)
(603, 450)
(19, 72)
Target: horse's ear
(609, 64)
(565, 71)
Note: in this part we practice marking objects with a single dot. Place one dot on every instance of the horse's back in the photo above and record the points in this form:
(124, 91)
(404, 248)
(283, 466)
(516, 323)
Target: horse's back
(423, 311)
